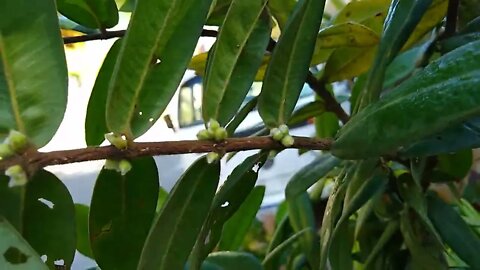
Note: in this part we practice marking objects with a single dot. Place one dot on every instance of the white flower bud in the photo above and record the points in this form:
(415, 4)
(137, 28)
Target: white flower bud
(17, 141)
(203, 135)
(6, 151)
(17, 175)
(213, 124)
(212, 157)
(124, 166)
(116, 140)
(287, 141)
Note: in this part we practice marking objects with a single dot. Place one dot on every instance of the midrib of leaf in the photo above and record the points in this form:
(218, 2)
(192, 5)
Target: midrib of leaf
(237, 56)
(92, 12)
(183, 209)
(146, 68)
(11, 88)
(289, 66)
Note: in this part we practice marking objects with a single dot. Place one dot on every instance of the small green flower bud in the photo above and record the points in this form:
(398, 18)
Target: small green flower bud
(17, 141)
(111, 164)
(116, 140)
(287, 141)
(213, 124)
(203, 135)
(277, 135)
(220, 134)
(284, 129)
(17, 175)
(6, 151)
(124, 166)
(212, 157)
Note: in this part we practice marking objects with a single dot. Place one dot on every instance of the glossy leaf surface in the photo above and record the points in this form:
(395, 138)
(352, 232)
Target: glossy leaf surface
(451, 79)
(83, 239)
(226, 202)
(33, 72)
(141, 86)
(234, 59)
(237, 226)
(121, 213)
(95, 123)
(98, 14)
(176, 227)
(227, 260)
(289, 64)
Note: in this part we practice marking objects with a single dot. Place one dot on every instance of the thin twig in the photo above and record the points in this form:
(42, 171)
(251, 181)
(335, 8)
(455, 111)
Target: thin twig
(33, 160)
(331, 104)
(117, 34)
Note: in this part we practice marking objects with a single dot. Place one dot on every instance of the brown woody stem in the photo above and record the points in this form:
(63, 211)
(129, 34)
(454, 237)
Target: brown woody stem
(33, 160)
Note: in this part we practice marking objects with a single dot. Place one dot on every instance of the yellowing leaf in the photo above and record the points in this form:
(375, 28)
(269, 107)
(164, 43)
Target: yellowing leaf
(349, 34)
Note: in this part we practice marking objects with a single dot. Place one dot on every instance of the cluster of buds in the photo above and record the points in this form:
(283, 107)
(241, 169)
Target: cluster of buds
(15, 143)
(119, 141)
(213, 132)
(122, 166)
(281, 134)
(17, 175)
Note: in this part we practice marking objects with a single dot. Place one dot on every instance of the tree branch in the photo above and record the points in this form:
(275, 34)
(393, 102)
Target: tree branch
(331, 104)
(33, 160)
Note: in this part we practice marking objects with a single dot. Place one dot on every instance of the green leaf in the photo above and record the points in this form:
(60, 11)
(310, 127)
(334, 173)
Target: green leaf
(175, 229)
(300, 209)
(452, 79)
(430, 19)
(95, 124)
(289, 64)
(402, 18)
(33, 76)
(341, 248)
(404, 65)
(226, 202)
(121, 212)
(241, 115)
(346, 63)
(361, 11)
(463, 136)
(453, 166)
(454, 231)
(348, 34)
(283, 231)
(421, 253)
(141, 87)
(228, 260)
(326, 125)
(278, 250)
(234, 60)
(16, 252)
(388, 233)
(162, 198)
(81, 221)
(334, 210)
(412, 193)
(99, 14)
(237, 226)
(370, 188)
(306, 112)
(41, 211)
(281, 10)
(217, 12)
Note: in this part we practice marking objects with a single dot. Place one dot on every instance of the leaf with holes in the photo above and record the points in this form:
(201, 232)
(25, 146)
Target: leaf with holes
(33, 71)
(226, 202)
(95, 125)
(176, 227)
(121, 213)
(237, 226)
(15, 252)
(447, 87)
(42, 210)
(154, 54)
(288, 67)
(98, 14)
(235, 59)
